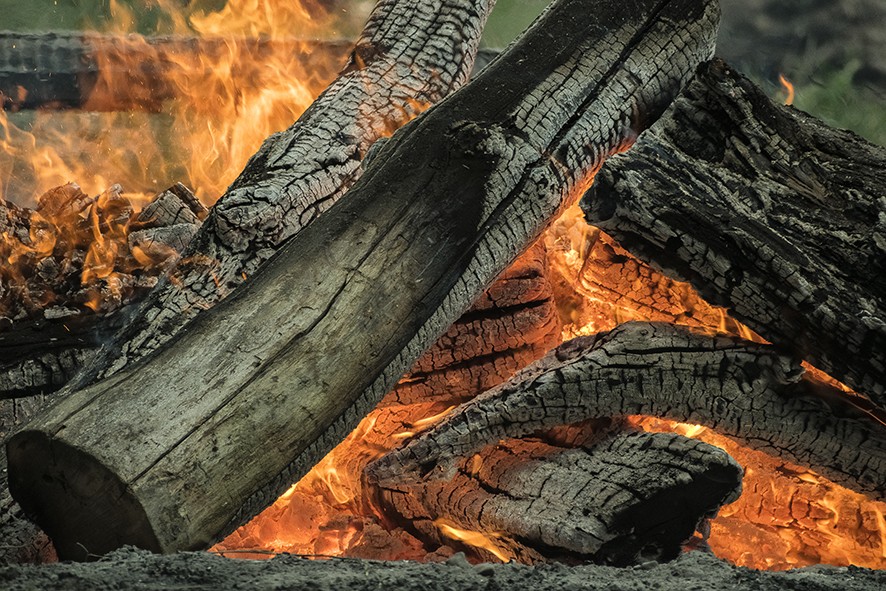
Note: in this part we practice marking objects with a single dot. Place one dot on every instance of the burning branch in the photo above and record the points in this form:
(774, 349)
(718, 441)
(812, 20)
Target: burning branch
(767, 212)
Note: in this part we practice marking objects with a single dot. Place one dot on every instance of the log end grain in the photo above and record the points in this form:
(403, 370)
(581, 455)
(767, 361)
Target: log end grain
(82, 506)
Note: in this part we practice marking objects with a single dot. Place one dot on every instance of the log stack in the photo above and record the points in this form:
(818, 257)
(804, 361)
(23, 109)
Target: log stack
(409, 249)
(280, 327)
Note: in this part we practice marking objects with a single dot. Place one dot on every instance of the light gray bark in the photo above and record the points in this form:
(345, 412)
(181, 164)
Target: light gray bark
(743, 390)
(174, 451)
(767, 212)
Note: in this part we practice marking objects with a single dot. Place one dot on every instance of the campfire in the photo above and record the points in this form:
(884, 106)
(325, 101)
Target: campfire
(427, 318)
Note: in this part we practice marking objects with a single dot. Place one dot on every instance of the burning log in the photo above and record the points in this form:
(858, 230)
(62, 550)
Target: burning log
(73, 266)
(97, 72)
(43, 355)
(116, 73)
(654, 369)
(626, 499)
(408, 57)
(440, 211)
(513, 323)
(766, 212)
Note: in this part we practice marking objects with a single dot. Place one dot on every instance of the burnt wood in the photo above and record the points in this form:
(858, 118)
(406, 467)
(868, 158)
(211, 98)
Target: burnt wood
(743, 390)
(100, 72)
(256, 390)
(626, 499)
(767, 212)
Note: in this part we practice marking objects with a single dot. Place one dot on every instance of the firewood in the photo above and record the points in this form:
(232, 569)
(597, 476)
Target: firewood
(767, 212)
(513, 323)
(629, 498)
(104, 72)
(41, 356)
(100, 72)
(407, 58)
(171, 452)
(744, 390)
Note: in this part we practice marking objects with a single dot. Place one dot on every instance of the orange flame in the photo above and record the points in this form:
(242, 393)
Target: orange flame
(252, 81)
(789, 89)
(473, 538)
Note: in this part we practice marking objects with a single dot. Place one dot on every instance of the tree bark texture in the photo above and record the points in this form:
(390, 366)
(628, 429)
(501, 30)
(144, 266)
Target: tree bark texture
(513, 323)
(767, 212)
(628, 498)
(409, 56)
(742, 390)
(256, 390)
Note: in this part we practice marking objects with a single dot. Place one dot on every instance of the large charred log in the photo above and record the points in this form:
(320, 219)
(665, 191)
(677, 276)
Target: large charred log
(767, 212)
(357, 295)
(744, 390)
(627, 498)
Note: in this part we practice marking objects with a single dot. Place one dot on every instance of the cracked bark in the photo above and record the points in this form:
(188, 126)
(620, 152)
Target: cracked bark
(409, 56)
(767, 212)
(627, 498)
(743, 390)
(354, 298)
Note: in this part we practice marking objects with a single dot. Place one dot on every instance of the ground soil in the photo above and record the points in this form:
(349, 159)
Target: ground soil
(138, 570)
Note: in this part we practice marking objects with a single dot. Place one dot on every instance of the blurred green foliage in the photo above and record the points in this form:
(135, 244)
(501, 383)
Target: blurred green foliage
(833, 97)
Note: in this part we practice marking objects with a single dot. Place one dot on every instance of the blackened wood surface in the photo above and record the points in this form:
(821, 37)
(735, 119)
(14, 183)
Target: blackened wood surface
(513, 323)
(628, 498)
(767, 212)
(743, 390)
(255, 391)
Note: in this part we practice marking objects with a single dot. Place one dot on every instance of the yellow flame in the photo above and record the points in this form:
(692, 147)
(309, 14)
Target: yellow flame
(476, 539)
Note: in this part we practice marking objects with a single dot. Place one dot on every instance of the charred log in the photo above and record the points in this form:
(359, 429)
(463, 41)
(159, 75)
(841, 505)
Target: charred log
(58, 70)
(441, 210)
(409, 56)
(513, 323)
(627, 499)
(746, 391)
(53, 70)
(767, 212)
